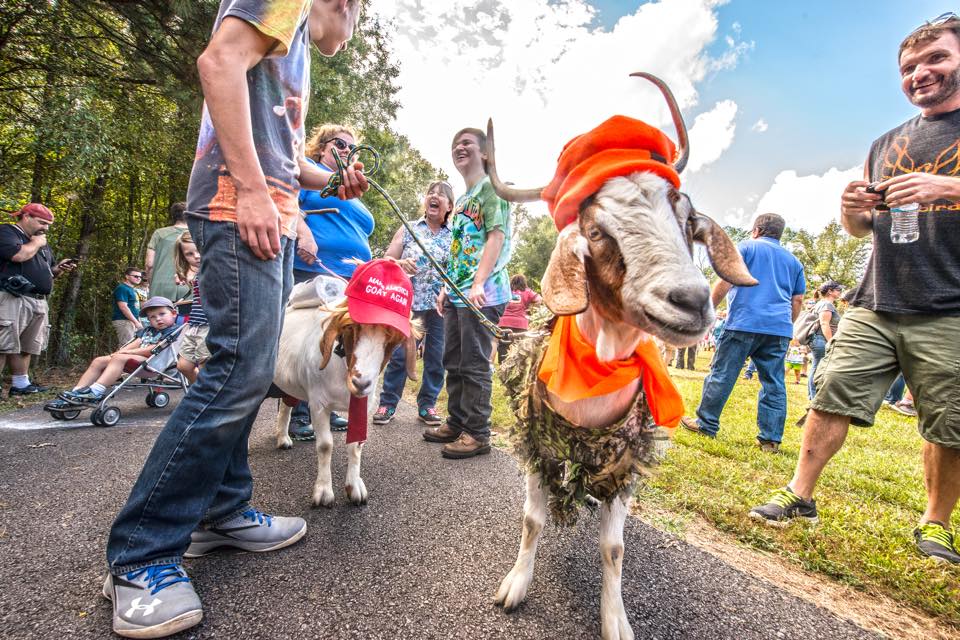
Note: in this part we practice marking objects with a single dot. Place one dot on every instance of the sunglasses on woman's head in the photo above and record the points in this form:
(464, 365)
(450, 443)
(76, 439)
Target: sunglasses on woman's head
(341, 144)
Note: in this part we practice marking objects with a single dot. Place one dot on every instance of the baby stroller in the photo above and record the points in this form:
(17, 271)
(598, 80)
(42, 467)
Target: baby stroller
(157, 374)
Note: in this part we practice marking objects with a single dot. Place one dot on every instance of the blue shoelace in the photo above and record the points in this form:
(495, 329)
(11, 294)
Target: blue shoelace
(159, 577)
(258, 516)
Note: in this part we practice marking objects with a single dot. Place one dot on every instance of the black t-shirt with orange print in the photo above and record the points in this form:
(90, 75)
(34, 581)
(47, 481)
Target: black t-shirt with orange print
(921, 277)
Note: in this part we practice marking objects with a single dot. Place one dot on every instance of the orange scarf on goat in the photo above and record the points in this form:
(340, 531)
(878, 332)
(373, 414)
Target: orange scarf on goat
(618, 147)
(572, 371)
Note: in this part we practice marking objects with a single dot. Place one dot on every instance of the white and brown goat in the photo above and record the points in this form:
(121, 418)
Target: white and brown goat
(625, 270)
(308, 368)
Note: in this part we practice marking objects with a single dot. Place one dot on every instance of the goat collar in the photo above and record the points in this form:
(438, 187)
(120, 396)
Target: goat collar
(618, 147)
(572, 371)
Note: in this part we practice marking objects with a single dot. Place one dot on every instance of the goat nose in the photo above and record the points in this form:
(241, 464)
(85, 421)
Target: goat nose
(689, 298)
(361, 385)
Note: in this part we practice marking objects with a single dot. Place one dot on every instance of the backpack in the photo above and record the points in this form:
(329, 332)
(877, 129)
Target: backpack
(805, 326)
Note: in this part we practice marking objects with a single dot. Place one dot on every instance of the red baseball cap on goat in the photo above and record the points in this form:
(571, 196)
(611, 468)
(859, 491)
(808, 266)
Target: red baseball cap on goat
(35, 210)
(380, 293)
(618, 147)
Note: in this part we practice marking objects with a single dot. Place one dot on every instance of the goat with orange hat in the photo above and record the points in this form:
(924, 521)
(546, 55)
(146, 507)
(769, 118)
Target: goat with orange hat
(27, 270)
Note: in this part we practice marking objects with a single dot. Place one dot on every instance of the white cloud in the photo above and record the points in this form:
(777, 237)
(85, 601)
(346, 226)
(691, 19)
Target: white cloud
(545, 74)
(808, 202)
(760, 126)
(712, 134)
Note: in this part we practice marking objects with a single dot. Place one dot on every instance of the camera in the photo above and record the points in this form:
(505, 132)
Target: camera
(17, 285)
(872, 188)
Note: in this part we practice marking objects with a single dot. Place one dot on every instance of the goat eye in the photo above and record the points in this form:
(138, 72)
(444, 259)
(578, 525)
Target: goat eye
(595, 234)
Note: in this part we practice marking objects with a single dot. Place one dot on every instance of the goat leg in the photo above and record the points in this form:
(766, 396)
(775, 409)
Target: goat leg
(613, 617)
(353, 484)
(513, 588)
(283, 424)
(411, 358)
(323, 488)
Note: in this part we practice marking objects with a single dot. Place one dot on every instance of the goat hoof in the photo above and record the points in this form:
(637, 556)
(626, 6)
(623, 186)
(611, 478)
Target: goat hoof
(356, 492)
(284, 443)
(323, 498)
(513, 589)
(616, 627)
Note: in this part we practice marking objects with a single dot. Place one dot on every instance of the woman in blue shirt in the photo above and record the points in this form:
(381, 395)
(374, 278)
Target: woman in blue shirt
(341, 229)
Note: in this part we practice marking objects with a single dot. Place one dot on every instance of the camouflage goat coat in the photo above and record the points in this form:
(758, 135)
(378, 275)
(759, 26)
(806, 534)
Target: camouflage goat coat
(572, 461)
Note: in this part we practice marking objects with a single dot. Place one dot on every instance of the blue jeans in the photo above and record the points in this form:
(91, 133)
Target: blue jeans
(818, 347)
(768, 354)
(396, 374)
(197, 470)
(895, 393)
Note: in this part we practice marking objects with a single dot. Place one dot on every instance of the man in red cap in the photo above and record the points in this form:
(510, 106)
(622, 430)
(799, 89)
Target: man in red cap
(27, 271)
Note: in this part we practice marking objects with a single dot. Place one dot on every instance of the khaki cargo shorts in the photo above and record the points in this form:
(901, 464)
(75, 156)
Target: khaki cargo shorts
(23, 324)
(870, 348)
(193, 343)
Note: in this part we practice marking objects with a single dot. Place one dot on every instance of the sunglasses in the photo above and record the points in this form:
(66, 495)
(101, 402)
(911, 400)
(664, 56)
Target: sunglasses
(341, 144)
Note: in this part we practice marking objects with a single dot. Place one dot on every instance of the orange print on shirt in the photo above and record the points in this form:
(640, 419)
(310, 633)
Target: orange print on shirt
(223, 205)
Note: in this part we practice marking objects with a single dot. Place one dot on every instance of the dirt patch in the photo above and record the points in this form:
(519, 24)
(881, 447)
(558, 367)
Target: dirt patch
(871, 611)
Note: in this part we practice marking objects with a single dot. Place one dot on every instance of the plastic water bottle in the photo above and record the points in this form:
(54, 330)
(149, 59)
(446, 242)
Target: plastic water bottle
(905, 227)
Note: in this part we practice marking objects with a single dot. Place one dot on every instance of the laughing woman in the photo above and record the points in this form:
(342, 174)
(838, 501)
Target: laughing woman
(339, 233)
(433, 231)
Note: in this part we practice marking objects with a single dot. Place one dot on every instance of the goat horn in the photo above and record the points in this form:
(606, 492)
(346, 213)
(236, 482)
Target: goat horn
(683, 153)
(508, 193)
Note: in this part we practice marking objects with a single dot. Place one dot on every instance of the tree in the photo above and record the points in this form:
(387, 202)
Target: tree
(830, 255)
(535, 238)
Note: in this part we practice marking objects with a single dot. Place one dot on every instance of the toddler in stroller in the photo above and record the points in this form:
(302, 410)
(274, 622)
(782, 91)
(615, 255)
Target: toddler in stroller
(148, 355)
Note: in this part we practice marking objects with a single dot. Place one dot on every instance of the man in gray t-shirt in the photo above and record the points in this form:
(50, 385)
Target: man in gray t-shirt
(906, 312)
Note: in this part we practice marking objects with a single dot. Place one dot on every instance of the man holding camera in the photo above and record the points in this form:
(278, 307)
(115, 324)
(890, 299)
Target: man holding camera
(892, 323)
(27, 271)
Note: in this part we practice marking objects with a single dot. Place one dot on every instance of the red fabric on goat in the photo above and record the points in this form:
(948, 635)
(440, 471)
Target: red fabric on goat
(618, 147)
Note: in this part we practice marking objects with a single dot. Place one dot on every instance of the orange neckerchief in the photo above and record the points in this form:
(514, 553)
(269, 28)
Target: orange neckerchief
(571, 371)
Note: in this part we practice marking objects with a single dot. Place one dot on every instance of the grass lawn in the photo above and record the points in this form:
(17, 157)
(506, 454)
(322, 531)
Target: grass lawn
(869, 498)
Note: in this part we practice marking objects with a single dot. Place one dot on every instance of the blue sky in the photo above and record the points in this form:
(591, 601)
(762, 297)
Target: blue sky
(821, 74)
(782, 97)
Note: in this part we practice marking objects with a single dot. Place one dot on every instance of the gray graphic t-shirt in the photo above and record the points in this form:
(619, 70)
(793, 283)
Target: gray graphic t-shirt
(279, 86)
(924, 276)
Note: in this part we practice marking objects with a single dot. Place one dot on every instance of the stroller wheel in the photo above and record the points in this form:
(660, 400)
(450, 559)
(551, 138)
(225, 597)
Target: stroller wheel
(69, 415)
(95, 416)
(110, 416)
(150, 399)
(161, 399)
(57, 415)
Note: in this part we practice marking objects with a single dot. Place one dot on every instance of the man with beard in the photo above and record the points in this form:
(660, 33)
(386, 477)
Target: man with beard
(893, 323)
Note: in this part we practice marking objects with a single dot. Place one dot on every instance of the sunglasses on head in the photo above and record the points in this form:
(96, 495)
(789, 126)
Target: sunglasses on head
(341, 144)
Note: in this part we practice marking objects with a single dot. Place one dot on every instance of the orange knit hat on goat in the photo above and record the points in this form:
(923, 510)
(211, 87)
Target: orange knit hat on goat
(618, 147)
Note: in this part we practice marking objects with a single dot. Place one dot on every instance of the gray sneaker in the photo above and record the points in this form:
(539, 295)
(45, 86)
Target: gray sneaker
(785, 506)
(251, 530)
(153, 602)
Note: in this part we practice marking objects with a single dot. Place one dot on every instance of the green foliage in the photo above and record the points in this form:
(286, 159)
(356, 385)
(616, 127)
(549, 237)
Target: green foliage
(533, 242)
(830, 255)
(99, 113)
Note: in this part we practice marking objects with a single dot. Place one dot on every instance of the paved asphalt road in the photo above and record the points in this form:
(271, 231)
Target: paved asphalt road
(421, 560)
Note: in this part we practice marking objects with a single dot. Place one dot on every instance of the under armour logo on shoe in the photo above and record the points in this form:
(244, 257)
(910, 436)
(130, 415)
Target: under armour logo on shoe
(146, 608)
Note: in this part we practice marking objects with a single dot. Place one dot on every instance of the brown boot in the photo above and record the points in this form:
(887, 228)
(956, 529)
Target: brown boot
(466, 446)
(443, 433)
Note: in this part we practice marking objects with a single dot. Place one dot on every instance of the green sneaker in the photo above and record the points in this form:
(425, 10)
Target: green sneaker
(937, 542)
(783, 506)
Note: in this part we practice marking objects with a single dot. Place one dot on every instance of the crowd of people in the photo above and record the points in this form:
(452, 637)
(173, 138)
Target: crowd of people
(258, 214)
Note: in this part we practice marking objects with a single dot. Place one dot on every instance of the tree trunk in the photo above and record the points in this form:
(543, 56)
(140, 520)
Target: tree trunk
(91, 205)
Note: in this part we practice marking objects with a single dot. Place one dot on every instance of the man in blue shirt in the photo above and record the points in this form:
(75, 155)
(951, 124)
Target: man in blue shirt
(126, 306)
(759, 326)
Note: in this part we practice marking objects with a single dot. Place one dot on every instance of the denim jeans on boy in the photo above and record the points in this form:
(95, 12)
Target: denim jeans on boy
(818, 347)
(197, 470)
(466, 357)
(768, 354)
(395, 376)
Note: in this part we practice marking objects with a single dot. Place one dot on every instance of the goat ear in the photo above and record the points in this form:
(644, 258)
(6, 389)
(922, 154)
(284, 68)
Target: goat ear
(723, 254)
(564, 282)
(326, 342)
